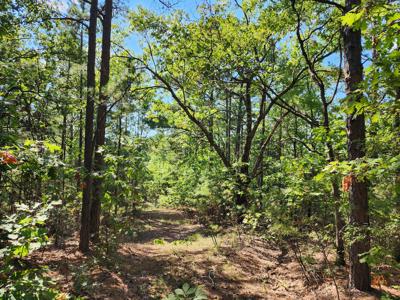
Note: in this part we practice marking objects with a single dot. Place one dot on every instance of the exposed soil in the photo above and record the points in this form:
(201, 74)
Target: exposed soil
(170, 249)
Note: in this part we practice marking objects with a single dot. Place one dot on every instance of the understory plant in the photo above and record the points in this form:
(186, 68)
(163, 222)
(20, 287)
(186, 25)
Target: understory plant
(187, 292)
(22, 233)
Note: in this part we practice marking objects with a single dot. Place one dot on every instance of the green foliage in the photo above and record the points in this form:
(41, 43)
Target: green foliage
(27, 284)
(193, 95)
(159, 242)
(23, 233)
(24, 230)
(186, 292)
(81, 278)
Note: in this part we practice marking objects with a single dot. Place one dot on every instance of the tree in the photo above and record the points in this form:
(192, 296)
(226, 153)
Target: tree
(360, 274)
(101, 119)
(89, 116)
(201, 65)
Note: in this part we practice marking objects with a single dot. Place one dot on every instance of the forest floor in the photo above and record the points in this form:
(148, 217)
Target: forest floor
(171, 249)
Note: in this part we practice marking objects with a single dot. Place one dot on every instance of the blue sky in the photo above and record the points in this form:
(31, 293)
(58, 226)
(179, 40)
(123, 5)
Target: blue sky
(189, 6)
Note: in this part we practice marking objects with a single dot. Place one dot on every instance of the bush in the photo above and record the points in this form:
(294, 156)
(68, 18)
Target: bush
(23, 233)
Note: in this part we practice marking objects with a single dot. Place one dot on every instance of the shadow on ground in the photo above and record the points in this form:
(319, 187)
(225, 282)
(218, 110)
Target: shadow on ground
(246, 268)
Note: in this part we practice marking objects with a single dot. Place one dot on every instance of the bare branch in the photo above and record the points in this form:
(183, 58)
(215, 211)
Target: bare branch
(79, 21)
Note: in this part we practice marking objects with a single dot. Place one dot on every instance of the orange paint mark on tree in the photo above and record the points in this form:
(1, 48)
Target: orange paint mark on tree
(7, 158)
(346, 182)
(378, 280)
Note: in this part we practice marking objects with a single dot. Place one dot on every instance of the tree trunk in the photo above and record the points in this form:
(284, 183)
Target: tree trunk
(243, 176)
(64, 137)
(101, 121)
(241, 198)
(360, 274)
(88, 154)
(238, 129)
(80, 143)
(397, 182)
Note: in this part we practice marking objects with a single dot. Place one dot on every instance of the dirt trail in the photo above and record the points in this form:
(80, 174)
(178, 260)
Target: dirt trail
(169, 250)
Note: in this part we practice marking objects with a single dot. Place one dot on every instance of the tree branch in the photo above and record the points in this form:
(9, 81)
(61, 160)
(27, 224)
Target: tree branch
(337, 5)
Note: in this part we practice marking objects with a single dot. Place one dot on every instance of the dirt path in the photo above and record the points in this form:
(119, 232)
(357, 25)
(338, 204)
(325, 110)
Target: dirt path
(170, 250)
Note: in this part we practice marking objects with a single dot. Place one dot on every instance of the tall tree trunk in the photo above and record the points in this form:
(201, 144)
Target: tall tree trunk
(80, 143)
(101, 120)
(239, 123)
(243, 178)
(240, 197)
(88, 155)
(64, 135)
(397, 180)
(360, 274)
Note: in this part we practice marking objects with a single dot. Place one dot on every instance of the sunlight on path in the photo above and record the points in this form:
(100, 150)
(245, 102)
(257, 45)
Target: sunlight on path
(170, 249)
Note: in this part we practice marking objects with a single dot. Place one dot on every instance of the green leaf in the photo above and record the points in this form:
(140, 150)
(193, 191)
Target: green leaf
(52, 147)
(179, 292)
(352, 17)
(375, 118)
(25, 221)
(22, 251)
(185, 287)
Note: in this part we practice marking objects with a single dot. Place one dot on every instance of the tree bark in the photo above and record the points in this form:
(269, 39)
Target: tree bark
(80, 143)
(88, 154)
(360, 277)
(397, 180)
(238, 129)
(101, 121)
(243, 176)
